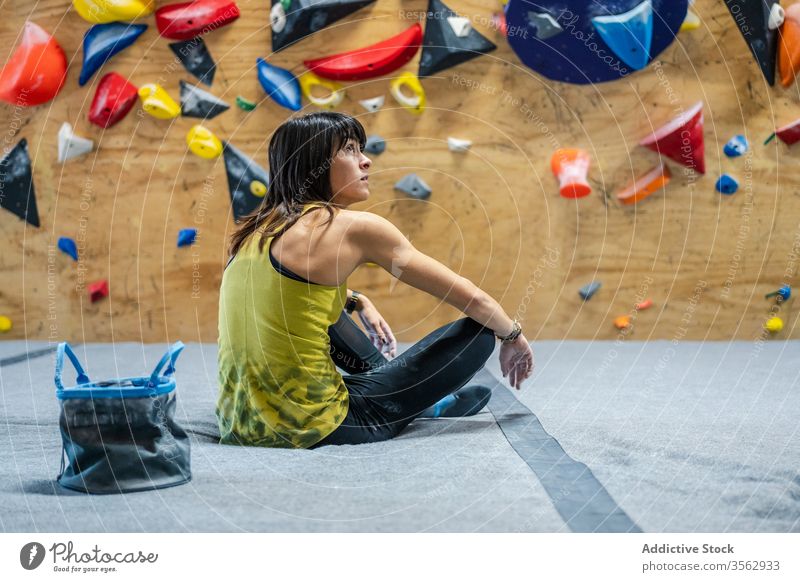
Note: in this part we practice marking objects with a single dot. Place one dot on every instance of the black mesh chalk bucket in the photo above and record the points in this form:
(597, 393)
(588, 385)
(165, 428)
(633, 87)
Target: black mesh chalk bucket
(120, 435)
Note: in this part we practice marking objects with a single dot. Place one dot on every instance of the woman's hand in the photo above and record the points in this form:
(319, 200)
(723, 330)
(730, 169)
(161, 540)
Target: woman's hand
(379, 331)
(516, 361)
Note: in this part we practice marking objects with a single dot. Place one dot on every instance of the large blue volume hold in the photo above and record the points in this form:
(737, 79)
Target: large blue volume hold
(279, 84)
(103, 41)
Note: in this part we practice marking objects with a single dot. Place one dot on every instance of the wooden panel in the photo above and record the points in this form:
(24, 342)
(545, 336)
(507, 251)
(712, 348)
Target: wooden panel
(495, 215)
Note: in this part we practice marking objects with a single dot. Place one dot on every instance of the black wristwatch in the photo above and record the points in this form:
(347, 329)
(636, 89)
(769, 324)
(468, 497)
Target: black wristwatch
(352, 302)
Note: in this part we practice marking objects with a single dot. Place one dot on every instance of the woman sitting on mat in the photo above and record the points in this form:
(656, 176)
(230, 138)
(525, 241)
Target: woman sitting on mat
(284, 304)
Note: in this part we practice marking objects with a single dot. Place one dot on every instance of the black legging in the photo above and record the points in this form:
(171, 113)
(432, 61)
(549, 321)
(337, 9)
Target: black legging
(385, 396)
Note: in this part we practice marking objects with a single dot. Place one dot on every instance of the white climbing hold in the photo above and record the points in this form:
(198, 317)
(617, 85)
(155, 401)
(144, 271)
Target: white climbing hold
(372, 105)
(546, 26)
(277, 17)
(776, 17)
(72, 146)
(460, 25)
(458, 145)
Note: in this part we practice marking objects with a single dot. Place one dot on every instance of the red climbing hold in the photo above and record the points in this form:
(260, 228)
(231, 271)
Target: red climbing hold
(681, 139)
(371, 61)
(36, 70)
(113, 99)
(98, 290)
(187, 20)
(789, 134)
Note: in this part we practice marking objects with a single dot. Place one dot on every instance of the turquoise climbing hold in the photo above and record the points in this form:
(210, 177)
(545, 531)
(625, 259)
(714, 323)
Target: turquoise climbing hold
(629, 34)
(727, 185)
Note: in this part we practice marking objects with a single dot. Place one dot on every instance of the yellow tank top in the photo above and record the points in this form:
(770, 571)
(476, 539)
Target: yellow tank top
(278, 385)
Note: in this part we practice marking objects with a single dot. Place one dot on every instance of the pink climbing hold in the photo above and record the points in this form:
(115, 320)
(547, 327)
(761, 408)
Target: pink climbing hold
(98, 290)
(36, 70)
(681, 139)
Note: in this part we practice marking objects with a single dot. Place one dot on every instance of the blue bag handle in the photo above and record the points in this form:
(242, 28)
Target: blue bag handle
(64, 348)
(172, 354)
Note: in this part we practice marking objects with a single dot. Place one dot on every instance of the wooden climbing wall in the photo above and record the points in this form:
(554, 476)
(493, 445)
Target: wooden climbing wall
(495, 215)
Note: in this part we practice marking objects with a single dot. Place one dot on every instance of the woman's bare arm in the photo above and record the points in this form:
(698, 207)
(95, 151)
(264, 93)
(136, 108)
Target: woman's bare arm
(381, 242)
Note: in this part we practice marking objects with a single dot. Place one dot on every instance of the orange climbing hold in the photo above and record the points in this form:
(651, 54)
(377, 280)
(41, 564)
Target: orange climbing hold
(642, 187)
(36, 70)
(622, 321)
(789, 46)
(571, 166)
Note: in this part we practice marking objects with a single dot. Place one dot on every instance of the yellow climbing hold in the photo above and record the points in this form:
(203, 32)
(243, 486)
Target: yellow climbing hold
(5, 324)
(414, 103)
(774, 324)
(309, 81)
(203, 143)
(103, 11)
(692, 21)
(258, 188)
(157, 102)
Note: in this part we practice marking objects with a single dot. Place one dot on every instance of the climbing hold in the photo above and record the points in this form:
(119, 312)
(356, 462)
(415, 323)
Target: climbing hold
(244, 104)
(622, 322)
(414, 103)
(186, 237)
(375, 145)
(187, 20)
(103, 11)
(242, 174)
(372, 105)
(646, 304)
(371, 61)
(293, 23)
(736, 146)
(460, 25)
(70, 145)
(16, 184)
(443, 47)
(753, 21)
(776, 17)
(499, 22)
(195, 58)
(692, 21)
(5, 324)
(546, 26)
(789, 46)
(112, 100)
(774, 324)
(198, 103)
(458, 145)
(67, 246)
(279, 84)
(726, 185)
(414, 186)
(36, 70)
(98, 290)
(103, 41)
(645, 185)
(681, 139)
(157, 102)
(629, 35)
(570, 166)
(788, 134)
(602, 40)
(588, 290)
(203, 143)
(308, 81)
(781, 294)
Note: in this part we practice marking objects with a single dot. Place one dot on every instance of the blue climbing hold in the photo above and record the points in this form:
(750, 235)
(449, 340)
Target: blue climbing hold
(781, 294)
(103, 41)
(67, 245)
(629, 34)
(736, 146)
(279, 84)
(186, 237)
(589, 289)
(727, 185)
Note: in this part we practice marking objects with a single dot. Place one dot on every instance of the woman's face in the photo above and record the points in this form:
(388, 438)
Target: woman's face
(349, 182)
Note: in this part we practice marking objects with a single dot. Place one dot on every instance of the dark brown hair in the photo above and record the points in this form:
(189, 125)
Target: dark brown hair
(300, 155)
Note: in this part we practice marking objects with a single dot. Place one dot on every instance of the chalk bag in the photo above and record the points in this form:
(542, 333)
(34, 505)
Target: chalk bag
(120, 436)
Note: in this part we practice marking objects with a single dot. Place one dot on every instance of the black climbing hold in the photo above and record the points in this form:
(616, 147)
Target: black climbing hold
(246, 181)
(752, 19)
(304, 17)
(16, 184)
(442, 48)
(195, 58)
(198, 103)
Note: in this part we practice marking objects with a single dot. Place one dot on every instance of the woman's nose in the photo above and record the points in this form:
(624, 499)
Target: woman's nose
(365, 162)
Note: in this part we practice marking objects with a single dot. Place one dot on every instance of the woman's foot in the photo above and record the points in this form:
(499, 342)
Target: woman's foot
(466, 401)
